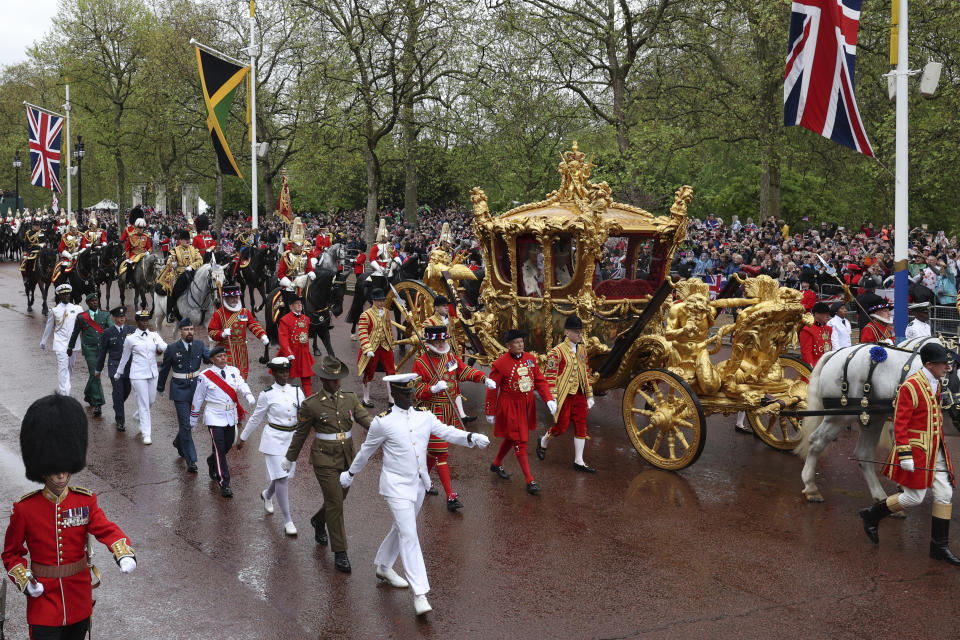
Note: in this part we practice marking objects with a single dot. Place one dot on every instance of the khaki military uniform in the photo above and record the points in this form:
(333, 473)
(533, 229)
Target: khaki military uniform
(332, 416)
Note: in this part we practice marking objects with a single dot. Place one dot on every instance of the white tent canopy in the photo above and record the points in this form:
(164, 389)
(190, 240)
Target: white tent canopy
(202, 206)
(105, 204)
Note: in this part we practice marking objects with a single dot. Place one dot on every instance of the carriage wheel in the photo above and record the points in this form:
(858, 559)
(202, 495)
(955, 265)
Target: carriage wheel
(664, 419)
(781, 432)
(418, 299)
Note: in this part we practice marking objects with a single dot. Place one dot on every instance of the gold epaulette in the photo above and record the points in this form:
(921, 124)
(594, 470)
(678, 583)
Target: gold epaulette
(383, 413)
(81, 490)
(422, 409)
(27, 495)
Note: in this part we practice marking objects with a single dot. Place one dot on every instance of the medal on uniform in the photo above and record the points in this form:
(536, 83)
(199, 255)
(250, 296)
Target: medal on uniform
(302, 338)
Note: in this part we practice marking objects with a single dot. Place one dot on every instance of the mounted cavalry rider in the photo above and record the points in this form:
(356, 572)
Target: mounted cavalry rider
(71, 243)
(380, 256)
(136, 240)
(35, 240)
(181, 266)
(94, 236)
(244, 241)
(203, 241)
(295, 267)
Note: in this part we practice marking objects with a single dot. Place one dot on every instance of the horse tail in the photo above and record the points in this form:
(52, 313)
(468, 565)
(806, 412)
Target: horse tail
(814, 403)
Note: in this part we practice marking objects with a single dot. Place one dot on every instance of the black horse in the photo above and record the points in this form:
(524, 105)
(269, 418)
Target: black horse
(323, 301)
(81, 277)
(110, 258)
(38, 273)
(258, 275)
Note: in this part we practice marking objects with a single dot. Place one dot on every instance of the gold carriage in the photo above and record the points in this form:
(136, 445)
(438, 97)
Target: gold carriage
(579, 252)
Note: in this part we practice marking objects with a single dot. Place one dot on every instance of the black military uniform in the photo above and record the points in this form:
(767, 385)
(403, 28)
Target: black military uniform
(111, 344)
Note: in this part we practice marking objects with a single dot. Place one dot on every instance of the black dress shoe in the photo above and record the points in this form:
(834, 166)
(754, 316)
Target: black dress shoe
(500, 471)
(368, 405)
(227, 492)
(533, 488)
(176, 445)
(192, 468)
(341, 562)
(584, 468)
(454, 503)
(541, 450)
(468, 419)
(743, 429)
(97, 411)
(319, 530)
(432, 491)
(213, 473)
(120, 426)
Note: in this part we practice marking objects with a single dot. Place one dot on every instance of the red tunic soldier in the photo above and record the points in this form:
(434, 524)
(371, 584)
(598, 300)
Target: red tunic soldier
(51, 525)
(375, 332)
(440, 371)
(919, 459)
(228, 327)
(203, 241)
(511, 405)
(569, 378)
(815, 339)
(880, 327)
(293, 333)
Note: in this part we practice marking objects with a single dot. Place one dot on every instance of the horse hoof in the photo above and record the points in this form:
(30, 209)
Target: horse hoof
(813, 496)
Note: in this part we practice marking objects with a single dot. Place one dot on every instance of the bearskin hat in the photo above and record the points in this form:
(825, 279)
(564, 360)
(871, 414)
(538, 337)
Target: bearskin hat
(53, 437)
(135, 214)
(203, 222)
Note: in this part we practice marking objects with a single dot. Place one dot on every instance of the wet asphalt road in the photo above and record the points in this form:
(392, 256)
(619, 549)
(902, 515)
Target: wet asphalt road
(725, 548)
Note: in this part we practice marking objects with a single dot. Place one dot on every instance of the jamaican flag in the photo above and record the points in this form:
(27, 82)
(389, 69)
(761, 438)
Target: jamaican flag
(219, 80)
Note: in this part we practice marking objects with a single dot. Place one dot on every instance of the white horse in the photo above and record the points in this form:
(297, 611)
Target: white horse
(331, 258)
(825, 390)
(197, 300)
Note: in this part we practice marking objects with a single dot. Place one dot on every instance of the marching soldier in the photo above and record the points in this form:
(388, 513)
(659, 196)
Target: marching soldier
(90, 326)
(293, 334)
(403, 434)
(277, 406)
(880, 327)
(218, 394)
(919, 327)
(817, 338)
(111, 345)
(228, 327)
(330, 413)
(183, 358)
(374, 329)
(569, 378)
(181, 266)
(919, 459)
(510, 406)
(60, 325)
(440, 371)
(203, 242)
(52, 525)
(140, 351)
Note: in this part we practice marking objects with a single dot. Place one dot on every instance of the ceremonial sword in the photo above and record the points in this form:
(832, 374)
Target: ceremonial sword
(403, 309)
(896, 464)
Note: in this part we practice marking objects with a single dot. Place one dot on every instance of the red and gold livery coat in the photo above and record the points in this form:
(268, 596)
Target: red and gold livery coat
(432, 369)
(814, 342)
(293, 265)
(512, 403)
(374, 332)
(53, 531)
(876, 332)
(568, 373)
(293, 333)
(917, 432)
(236, 343)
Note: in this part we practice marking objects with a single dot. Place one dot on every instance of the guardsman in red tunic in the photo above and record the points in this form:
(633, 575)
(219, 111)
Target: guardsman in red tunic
(569, 378)
(815, 339)
(919, 459)
(880, 327)
(51, 525)
(203, 241)
(441, 370)
(511, 405)
(375, 332)
(228, 327)
(293, 332)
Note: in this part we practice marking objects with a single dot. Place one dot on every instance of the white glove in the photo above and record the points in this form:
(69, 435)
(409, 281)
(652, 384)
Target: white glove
(66, 254)
(189, 269)
(346, 479)
(285, 282)
(312, 275)
(128, 564)
(490, 419)
(490, 383)
(286, 464)
(370, 354)
(35, 590)
(265, 340)
(590, 402)
(552, 406)
(291, 357)
(193, 423)
(440, 386)
(907, 464)
(116, 376)
(226, 332)
(251, 400)
(480, 440)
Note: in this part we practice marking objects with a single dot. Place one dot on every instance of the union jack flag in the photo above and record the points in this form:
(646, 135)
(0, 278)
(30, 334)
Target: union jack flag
(716, 284)
(818, 82)
(44, 131)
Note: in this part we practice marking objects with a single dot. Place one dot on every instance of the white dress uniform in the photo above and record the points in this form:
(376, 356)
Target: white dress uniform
(140, 349)
(917, 329)
(220, 411)
(60, 324)
(840, 336)
(278, 406)
(403, 434)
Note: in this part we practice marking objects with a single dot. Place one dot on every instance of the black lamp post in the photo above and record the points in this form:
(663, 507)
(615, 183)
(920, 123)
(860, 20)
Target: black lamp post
(78, 153)
(16, 166)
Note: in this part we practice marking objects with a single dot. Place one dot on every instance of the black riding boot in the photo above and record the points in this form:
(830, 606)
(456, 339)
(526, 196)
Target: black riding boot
(939, 540)
(872, 517)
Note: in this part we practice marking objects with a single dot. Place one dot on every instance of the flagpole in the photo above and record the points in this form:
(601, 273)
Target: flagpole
(253, 123)
(66, 108)
(901, 209)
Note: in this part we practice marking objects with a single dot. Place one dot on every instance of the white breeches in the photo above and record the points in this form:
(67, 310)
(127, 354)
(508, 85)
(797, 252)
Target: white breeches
(145, 390)
(404, 541)
(64, 371)
(941, 489)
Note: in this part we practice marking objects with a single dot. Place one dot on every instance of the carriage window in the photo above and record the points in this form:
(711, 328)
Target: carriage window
(564, 260)
(501, 258)
(629, 267)
(530, 259)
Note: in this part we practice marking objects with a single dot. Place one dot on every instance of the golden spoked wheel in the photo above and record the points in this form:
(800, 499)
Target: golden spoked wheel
(781, 432)
(418, 299)
(664, 419)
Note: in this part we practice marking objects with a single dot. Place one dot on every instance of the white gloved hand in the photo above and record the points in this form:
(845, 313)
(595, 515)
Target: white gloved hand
(590, 402)
(552, 406)
(370, 354)
(291, 357)
(480, 440)
(286, 464)
(265, 340)
(346, 479)
(128, 564)
(312, 275)
(116, 376)
(66, 254)
(490, 419)
(35, 590)
(226, 332)
(491, 384)
(440, 386)
(907, 464)
(251, 400)
(189, 269)
(285, 282)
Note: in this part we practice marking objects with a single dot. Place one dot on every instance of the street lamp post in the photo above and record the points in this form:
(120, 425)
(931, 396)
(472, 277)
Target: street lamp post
(78, 153)
(16, 166)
